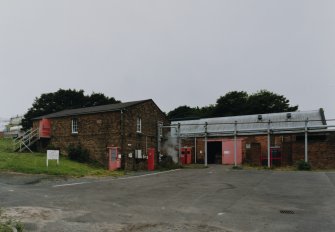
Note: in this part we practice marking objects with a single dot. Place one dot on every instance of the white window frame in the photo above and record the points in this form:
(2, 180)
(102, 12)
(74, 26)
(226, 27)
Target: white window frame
(74, 126)
(139, 125)
(138, 154)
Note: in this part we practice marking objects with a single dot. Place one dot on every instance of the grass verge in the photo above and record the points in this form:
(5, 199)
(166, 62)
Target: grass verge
(35, 163)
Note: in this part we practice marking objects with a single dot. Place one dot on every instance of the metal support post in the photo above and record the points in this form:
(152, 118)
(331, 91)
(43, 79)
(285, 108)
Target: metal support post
(235, 143)
(269, 145)
(306, 141)
(206, 164)
(179, 144)
(195, 150)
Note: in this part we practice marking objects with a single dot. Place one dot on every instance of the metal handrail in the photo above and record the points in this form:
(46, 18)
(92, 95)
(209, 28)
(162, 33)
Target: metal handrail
(24, 141)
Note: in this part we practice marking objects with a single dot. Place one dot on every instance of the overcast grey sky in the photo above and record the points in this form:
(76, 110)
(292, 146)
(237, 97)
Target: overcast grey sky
(177, 52)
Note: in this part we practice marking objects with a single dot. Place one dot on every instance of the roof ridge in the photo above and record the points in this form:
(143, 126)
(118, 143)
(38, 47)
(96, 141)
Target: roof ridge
(92, 109)
(248, 115)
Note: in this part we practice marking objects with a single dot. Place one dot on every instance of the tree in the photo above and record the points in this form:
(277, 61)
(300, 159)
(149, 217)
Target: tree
(265, 101)
(206, 111)
(49, 103)
(97, 99)
(232, 103)
(183, 112)
(189, 112)
(238, 103)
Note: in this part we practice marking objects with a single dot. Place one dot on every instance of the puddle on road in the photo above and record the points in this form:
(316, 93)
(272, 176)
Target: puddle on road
(165, 227)
(27, 179)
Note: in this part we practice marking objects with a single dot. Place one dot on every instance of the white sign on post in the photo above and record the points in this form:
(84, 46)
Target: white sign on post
(52, 155)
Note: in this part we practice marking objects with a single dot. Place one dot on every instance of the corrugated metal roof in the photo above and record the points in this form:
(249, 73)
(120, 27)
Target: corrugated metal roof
(279, 121)
(92, 110)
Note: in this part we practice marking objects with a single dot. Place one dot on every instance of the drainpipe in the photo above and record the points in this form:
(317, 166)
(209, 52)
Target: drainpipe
(206, 144)
(146, 144)
(306, 141)
(123, 157)
(195, 150)
(269, 145)
(158, 138)
(235, 143)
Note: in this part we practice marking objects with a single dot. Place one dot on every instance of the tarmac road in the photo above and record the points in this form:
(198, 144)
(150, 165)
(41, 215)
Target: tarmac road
(213, 199)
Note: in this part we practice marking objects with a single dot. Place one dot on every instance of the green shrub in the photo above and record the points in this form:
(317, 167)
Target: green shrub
(237, 167)
(19, 226)
(8, 224)
(5, 227)
(166, 162)
(303, 166)
(78, 153)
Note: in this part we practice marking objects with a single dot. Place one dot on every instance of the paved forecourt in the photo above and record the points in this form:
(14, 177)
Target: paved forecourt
(212, 199)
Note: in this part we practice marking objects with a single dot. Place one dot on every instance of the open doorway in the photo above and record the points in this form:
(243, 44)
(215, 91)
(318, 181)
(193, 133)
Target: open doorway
(214, 152)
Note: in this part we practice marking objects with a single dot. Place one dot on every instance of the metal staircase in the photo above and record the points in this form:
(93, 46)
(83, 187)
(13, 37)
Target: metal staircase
(25, 141)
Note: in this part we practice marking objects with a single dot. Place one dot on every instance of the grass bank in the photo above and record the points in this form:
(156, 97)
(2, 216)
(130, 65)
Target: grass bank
(35, 163)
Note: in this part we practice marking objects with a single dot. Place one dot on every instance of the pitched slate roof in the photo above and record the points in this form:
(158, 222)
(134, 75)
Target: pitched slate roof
(92, 110)
(279, 121)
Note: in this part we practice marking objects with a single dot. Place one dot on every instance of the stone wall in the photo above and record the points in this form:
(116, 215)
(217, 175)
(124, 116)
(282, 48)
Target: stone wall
(95, 133)
(98, 131)
(150, 115)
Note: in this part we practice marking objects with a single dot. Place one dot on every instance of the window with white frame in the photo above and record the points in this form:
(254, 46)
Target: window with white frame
(74, 126)
(139, 125)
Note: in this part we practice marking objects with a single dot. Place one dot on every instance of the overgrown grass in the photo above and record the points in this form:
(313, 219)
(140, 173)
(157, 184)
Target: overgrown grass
(194, 166)
(272, 168)
(6, 145)
(7, 225)
(35, 163)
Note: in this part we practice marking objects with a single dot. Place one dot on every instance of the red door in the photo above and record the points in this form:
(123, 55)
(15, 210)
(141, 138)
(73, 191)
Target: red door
(151, 159)
(114, 162)
(228, 151)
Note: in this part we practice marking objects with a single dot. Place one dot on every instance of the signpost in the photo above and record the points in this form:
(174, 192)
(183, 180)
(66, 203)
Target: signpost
(52, 155)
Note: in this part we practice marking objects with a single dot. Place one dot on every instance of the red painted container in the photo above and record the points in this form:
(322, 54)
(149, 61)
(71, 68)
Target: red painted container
(186, 155)
(114, 161)
(45, 128)
(151, 159)
(182, 156)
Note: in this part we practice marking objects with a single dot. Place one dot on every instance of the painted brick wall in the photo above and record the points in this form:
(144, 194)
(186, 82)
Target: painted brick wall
(321, 149)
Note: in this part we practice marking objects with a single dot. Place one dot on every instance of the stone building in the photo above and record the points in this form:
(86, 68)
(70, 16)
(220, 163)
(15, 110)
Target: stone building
(266, 139)
(130, 126)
